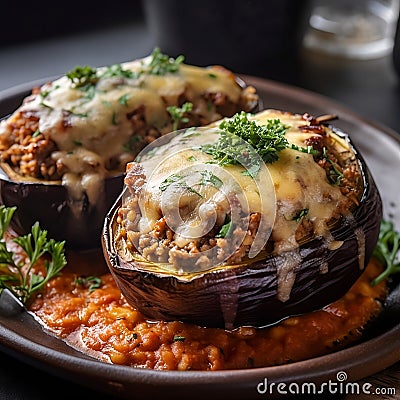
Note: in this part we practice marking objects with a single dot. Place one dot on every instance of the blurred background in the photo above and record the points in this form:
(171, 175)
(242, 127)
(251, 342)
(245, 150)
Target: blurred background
(299, 42)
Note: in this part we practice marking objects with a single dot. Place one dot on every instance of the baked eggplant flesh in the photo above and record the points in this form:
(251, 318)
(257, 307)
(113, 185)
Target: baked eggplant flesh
(243, 223)
(65, 148)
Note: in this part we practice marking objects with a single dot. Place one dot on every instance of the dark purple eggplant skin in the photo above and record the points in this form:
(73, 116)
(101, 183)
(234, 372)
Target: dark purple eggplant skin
(50, 205)
(247, 295)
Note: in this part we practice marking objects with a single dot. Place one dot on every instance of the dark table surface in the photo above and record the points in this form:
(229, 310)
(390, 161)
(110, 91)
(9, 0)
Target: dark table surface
(369, 88)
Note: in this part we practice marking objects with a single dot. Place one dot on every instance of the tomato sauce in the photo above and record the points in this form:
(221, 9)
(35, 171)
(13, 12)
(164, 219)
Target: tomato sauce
(100, 323)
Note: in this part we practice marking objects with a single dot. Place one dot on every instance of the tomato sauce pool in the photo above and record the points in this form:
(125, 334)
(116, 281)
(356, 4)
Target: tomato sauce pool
(92, 315)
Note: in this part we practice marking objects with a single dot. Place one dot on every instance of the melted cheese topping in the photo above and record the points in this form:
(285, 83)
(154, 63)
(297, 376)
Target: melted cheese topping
(299, 183)
(92, 126)
(293, 183)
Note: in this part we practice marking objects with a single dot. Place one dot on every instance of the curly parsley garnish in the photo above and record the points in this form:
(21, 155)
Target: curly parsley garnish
(387, 251)
(17, 275)
(240, 140)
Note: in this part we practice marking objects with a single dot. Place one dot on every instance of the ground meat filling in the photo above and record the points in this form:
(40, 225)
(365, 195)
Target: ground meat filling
(159, 245)
(29, 152)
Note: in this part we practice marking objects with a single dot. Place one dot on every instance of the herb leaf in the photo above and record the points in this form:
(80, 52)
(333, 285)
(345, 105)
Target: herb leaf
(178, 114)
(91, 282)
(208, 178)
(177, 180)
(334, 175)
(19, 277)
(300, 215)
(240, 140)
(118, 70)
(225, 229)
(161, 64)
(82, 76)
(387, 251)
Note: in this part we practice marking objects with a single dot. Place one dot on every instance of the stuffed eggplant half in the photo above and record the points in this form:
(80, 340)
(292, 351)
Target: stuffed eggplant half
(63, 152)
(245, 222)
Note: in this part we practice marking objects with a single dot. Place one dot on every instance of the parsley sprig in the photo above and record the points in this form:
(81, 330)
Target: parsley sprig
(387, 251)
(18, 275)
(241, 140)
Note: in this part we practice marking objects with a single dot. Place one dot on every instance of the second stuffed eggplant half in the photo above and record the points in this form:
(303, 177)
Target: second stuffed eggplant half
(245, 222)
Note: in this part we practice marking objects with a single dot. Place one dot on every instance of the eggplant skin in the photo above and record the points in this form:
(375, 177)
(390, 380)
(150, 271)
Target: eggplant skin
(50, 205)
(246, 295)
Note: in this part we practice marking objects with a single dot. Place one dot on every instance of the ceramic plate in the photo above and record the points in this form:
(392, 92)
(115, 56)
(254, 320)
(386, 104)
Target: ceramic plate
(23, 337)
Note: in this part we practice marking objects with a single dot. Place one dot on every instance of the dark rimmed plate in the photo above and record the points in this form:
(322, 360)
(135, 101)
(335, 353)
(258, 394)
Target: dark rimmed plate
(23, 337)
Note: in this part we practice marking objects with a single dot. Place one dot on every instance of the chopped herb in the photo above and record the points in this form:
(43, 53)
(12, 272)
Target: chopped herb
(117, 70)
(18, 276)
(131, 144)
(178, 114)
(334, 176)
(82, 76)
(114, 118)
(307, 150)
(90, 282)
(387, 251)
(43, 104)
(161, 64)
(179, 338)
(211, 75)
(225, 229)
(177, 180)
(208, 178)
(192, 158)
(77, 142)
(44, 93)
(80, 115)
(36, 133)
(169, 181)
(123, 100)
(90, 91)
(300, 215)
